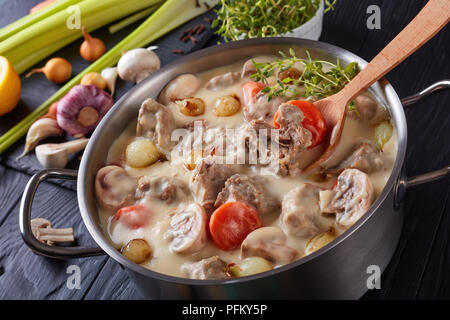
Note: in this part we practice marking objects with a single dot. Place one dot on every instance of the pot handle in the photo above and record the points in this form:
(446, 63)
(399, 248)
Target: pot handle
(405, 182)
(25, 219)
(440, 85)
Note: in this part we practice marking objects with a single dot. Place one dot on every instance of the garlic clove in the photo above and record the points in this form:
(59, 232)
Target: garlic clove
(39, 130)
(55, 155)
(110, 75)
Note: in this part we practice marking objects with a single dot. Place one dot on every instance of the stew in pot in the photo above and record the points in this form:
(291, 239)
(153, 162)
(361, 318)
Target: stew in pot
(208, 182)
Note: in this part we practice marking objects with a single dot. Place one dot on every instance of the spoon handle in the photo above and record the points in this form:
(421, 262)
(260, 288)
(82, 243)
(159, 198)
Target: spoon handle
(432, 18)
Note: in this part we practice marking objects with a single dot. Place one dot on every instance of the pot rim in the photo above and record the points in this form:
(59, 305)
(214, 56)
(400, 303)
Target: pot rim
(395, 108)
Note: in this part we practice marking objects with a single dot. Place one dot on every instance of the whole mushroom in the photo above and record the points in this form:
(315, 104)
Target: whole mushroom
(135, 65)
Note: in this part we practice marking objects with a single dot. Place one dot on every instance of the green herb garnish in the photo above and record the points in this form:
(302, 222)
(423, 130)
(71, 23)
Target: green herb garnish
(241, 19)
(317, 82)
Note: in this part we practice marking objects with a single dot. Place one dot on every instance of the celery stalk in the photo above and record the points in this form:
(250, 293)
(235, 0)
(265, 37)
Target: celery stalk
(132, 19)
(169, 16)
(54, 28)
(31, 19)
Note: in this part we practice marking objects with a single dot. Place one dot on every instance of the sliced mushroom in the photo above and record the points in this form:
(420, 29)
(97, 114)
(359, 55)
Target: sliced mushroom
(187, 232)
(183, 86)
(56, 155)
(43, 231)
(155, 121)
(114, 188)
(351, 197)
(300, 211)
(268, 243)
(210, 268)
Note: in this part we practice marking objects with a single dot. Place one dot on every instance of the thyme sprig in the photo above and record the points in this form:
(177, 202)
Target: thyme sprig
(241, 19)
(317, 82)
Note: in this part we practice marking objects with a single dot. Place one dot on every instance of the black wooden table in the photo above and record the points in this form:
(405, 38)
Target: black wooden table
(420, 267)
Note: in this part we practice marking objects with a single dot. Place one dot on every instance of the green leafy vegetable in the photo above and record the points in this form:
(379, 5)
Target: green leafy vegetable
(239, 19)
(317, 82)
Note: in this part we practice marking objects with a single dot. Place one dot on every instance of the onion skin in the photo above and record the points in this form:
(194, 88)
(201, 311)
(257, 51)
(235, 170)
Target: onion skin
(57, 70)
(92, 48)
(74, 101)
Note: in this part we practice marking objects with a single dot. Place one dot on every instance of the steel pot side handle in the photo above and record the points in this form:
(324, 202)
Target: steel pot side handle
(440, 85)
(405, 182)
(25, 219)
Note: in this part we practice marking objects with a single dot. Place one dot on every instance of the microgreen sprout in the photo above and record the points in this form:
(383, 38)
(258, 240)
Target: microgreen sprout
(317, 82)
(240, 19)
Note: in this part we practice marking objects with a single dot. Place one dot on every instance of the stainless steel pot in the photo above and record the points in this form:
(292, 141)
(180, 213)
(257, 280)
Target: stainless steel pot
(337, 271)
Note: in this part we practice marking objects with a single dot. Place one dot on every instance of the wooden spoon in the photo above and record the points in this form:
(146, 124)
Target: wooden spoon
(432, 18)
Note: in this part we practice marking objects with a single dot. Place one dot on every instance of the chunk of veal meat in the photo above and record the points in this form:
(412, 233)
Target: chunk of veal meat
(268, 243)
(350, 198)
(300, 211)
(368, 110)
(223, 80)
(208, 180)
(114, 188)
(166, 189)
(187, 232)
(262, 110)
(155, 121)
(293, 139)
(251, 190)
(365, 158)
(210, 268)
(290, 140)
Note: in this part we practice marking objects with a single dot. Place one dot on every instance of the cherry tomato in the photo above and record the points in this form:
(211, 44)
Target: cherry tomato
(251, 89)
(134, 217)
(231, 223)
(313, 121)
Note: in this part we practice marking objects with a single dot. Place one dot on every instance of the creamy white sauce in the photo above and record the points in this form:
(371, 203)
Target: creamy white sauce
(167, 262)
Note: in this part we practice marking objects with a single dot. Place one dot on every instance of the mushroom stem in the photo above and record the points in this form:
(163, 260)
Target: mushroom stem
(56, 235)
(43, 231)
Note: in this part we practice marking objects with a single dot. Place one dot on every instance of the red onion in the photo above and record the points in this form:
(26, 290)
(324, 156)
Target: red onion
(82, 108)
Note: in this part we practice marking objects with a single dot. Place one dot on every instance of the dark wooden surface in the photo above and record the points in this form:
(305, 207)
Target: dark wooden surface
(420, 267)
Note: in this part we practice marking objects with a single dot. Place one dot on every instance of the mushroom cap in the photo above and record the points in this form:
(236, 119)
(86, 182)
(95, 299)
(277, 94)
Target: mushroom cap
(137, 64)
(114, 187)
(37, 224)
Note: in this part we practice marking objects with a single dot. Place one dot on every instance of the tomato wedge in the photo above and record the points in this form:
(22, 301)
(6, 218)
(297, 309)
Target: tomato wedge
(231, 223)
(134, 217)
(313, 121)
(251, 89)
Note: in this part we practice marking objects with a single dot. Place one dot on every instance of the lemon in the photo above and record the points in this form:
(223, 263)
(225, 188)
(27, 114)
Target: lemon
(9, 86)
